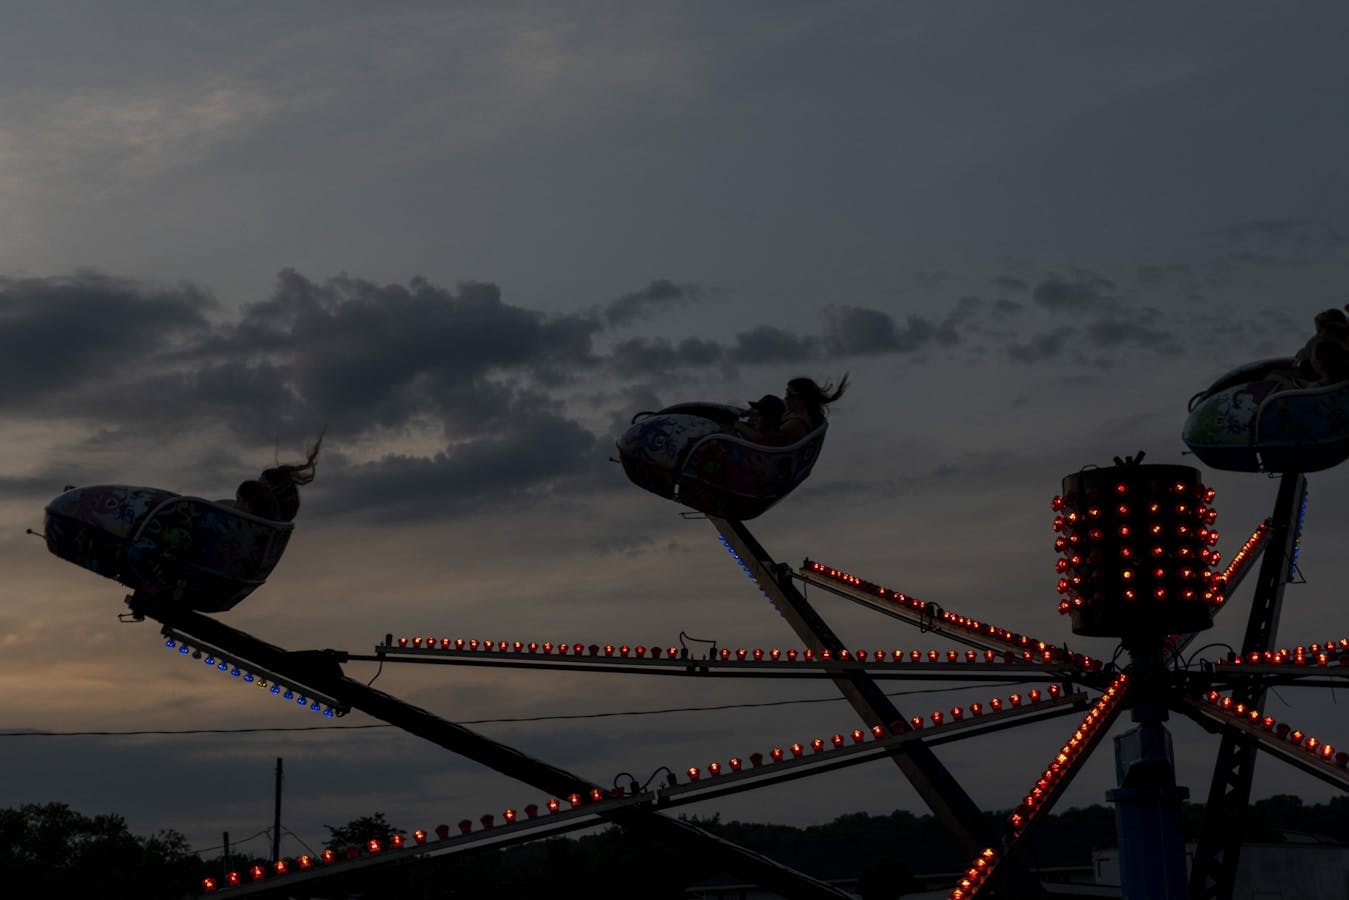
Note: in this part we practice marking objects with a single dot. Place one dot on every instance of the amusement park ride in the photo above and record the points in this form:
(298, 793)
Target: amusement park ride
(1136, 562)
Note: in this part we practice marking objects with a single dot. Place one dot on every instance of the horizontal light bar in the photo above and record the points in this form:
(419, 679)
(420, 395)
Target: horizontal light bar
(1331, 653)
(961, 664)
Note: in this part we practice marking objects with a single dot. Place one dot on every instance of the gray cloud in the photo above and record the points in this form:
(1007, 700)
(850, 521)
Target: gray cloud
(351, 353)
(59, 334)
(526, 463)
(366, 355)
(1083, 290)
(659, 296)
(659, 356)
(769, 344)
(1047, 345)
(852, 330)
(1115, 332)
(369, 359)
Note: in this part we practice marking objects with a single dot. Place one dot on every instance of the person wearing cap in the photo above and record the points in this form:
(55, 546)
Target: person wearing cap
(765, 420)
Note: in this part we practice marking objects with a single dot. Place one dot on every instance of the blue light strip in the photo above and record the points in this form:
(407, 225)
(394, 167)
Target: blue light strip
(1297, 538)
(249, 675)
(749, 573)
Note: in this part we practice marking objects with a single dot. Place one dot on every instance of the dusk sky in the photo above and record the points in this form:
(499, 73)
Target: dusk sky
(472, 239)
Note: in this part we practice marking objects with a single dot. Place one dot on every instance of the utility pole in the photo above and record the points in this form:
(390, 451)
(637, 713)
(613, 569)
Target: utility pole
(276, 821)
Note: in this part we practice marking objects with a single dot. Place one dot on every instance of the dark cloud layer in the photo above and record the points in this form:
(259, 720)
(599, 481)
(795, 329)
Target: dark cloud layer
(58, 335)
(362, 355)
(770, 344)
(852, 330)
(529, 462)
(368, 360)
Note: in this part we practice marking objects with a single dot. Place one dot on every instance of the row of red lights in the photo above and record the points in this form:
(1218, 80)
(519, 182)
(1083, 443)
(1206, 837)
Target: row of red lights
(1046, 788)
(597, 795)
(307, 862)
(1313, 655)
(1252, 717)
(1244, 556)
(1121, 495)
(374, 847)
(547, 648)
(742, 654)
(1039, 649)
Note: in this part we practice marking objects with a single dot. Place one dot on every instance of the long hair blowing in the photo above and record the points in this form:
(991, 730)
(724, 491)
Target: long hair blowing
(817, 397)
(284, 480)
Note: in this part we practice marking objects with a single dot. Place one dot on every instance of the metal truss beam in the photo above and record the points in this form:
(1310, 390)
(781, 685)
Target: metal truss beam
(321, 671)
(1300, 755)
(943, 794)
(709, 786)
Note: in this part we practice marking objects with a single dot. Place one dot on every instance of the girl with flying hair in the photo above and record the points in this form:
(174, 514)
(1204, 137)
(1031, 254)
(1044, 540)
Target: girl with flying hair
(807, 406)
(275, 493)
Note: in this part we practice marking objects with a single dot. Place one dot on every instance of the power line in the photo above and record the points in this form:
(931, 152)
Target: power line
(501, 721)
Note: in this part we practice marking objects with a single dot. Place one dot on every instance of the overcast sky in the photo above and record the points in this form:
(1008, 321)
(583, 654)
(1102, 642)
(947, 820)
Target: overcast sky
(471, 240)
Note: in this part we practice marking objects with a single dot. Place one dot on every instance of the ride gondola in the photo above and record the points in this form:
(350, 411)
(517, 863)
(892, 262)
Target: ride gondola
(682, 453)
(1256, 418)
(206, 555)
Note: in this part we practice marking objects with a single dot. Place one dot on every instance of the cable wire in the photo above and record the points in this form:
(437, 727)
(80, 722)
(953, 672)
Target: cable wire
(500, 721)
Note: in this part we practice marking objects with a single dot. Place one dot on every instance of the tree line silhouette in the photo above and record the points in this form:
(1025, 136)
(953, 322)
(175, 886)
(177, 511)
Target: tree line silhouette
(49, 850)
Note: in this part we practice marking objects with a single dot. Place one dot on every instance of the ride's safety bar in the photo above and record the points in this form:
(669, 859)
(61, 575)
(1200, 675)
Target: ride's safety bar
(248, 673)
(1049, 787)
(1308, 753)
(930, 617)
(692, 785)
(974, 665)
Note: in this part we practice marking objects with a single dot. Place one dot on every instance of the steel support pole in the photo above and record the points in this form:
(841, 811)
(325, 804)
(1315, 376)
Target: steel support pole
(276, 815)
(1214, 871)
(1148, 803)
